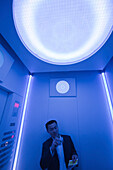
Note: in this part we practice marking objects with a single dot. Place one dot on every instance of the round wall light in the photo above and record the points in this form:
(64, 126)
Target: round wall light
(62, 87)
(63, 32)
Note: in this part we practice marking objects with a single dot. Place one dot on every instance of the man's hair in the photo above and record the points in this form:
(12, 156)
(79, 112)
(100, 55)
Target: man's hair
(49, 123)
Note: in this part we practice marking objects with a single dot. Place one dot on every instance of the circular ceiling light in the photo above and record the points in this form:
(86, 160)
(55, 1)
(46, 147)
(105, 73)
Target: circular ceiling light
(63, 31)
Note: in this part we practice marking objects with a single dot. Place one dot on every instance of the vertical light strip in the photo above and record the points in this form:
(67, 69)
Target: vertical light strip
(22, 122)
(107, 94)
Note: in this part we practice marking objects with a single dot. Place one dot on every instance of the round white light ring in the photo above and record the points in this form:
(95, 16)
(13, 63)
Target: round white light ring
(63, 32)
(1, 59)
(62, 87)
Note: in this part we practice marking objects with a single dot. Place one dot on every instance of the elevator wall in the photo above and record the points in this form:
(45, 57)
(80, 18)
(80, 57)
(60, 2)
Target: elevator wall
(85, 117)
(109, 74)
(12, 91)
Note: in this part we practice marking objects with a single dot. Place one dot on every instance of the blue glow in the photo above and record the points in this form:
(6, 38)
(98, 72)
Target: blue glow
(1, 59)
(63, 31)
(107, 93)
(22, 122)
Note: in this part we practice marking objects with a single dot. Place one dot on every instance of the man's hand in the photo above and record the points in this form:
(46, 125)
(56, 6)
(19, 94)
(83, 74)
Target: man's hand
(55, 143)
(74, 158)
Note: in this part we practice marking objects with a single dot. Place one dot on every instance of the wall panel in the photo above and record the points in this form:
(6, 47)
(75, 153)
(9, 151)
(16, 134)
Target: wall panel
(85, 117)
(13, 80)
(109, 75)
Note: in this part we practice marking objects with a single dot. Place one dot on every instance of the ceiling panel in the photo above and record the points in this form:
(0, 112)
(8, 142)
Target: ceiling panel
(97, 62)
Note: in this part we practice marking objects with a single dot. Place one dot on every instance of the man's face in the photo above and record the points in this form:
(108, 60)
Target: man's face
(53, 130)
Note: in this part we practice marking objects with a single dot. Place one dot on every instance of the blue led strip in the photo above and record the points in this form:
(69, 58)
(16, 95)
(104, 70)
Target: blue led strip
(22, 122)
(107, 93)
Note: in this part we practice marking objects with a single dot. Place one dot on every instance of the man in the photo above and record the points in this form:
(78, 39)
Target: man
(57, 150)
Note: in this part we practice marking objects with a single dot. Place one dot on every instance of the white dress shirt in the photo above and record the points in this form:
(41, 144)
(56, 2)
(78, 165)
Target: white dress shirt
(60, 153)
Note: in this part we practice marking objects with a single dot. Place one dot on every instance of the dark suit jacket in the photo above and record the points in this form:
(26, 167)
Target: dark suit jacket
(52, 162)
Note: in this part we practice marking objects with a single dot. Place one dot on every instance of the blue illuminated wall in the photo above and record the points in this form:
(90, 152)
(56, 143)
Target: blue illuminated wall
(12, 89)
(109, 74)
(85, 117)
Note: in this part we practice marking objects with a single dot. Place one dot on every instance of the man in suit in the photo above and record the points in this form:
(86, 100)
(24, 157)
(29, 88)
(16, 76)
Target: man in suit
(57, 150)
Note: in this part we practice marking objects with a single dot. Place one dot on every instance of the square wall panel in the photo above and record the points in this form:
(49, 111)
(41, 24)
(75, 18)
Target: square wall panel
(63, 87)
